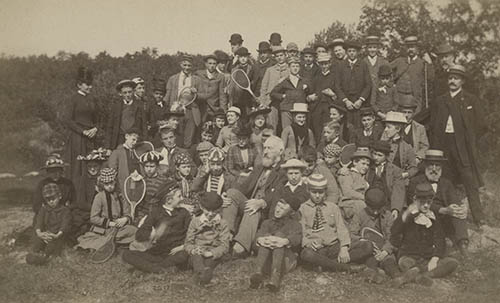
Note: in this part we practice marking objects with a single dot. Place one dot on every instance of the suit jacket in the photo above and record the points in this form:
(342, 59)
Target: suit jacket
(395, 185)
(357, 135)
(407, 158)
(409, 76)
(471, 113)
(258, 74)
(420, 141)
(118, 160)
(373, 69)
(193, 110)
(200, 181)
(234, 160)
(354, 83)
(113, 130)
(272, 77)
(446, 192)
(211, 96)
(293, 94)
(288, 138)
(309, 72)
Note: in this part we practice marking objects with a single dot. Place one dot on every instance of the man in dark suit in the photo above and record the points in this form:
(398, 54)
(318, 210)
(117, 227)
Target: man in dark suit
(353, 85)
(451, 212)
(309, 68)
(264, 61)
(456, 123)
(253, 197)
(125, 114)
(179, 83)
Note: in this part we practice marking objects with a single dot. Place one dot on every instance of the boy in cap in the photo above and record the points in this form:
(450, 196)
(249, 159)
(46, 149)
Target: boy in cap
(211, 91)
(201, 155)
(278, 239)
(330, 155)
(325, 238)
(86, 189)
(293, 89)
(374, 61)
(158, 107)
(226, 137)
(52, 224)
(413, 133)
(241, 157)
(207, 238)
(163, 247)
(385, 93)
(123, 158)
(369, 129)
(298, 134)
(125, 114)
(273, 75)
(184, 175)
(219, 122)
(213, 177)
(353, 85)
(54, 168)
(108, 211)
(168, 150)
(295, 185)
(420, 240)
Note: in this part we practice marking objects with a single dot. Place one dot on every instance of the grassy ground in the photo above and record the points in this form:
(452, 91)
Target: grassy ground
(72, 278)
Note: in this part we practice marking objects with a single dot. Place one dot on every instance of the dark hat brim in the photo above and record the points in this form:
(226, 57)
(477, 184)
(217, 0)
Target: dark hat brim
(339, 107)
(263, 111)
(434, 159)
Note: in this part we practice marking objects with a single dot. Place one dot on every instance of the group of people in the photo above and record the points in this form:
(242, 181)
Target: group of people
(326, 167)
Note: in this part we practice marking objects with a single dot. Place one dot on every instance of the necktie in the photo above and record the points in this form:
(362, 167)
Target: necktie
(319, 220)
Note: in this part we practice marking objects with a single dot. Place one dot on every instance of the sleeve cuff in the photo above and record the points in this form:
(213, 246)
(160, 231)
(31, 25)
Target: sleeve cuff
(362, 99)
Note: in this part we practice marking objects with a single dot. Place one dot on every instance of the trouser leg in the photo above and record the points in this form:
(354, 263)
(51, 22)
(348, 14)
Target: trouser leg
(143, 261)
(323, 258)
(360, 251)
(248, 230)
(444, 267)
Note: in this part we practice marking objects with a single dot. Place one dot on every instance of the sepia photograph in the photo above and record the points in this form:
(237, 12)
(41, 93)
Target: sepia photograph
(250, 151)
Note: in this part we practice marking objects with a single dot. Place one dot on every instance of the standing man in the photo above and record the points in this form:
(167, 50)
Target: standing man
(309, 67)
(411, 73)
(236, 42)
(337, 51)
(457, 122)
(274, 75)
(292, 50)
(184, 81)
(374, 62)
(263, 63)
(211, 94)
(353, 85)
(158, 108)
(275, 41)
(237, 96)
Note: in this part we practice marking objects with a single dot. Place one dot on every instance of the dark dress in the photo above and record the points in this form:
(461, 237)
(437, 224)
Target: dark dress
(81, 115)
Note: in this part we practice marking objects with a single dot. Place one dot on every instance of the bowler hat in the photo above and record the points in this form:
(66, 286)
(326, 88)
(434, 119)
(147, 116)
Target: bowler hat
(337, 42)
(308, 50)
(434, 155)
(424, 190)
(125, 83)
(299, 108)
(457, 69)
(172, 113)
(395, 117)
(384, 71)
(275, 38)
(168, 187)
(370, 40)
(242, 51)
(264, 46)
(407, 101)
(210, 201)
(375, 198)
(159, 85)
(381, 146)
(236, 39)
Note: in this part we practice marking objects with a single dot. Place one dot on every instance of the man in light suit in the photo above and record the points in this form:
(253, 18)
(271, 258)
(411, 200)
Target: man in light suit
(414, 133)
(184, 81)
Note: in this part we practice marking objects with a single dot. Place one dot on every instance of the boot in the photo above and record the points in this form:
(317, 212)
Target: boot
(256, 280)
(375, 276)
(390, 267)
(444, 269)
(463, 247)
(408, 276)
(424, 279)
(275, 281)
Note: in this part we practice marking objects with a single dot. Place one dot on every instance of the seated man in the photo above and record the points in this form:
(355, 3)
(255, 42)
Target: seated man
(420, 240)
(213, 177)
(310, 157)
(277, 239)
(451, 212)
(413, 133)
(325, 238)
(241, 157)
(387, 176)
(168, 150)
(370, 129)
(253, 197)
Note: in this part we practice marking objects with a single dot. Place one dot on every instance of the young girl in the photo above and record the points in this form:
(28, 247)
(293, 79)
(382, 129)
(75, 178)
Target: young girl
(108, 210)
(219, 123)
(226, 137)
(298, 134)
(207, 239)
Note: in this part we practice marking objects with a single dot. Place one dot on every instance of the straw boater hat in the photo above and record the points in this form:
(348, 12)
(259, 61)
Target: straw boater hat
(317, 181)
(98, 155)
(395, 117)
(299, 108)
(372, 40)
(125, 83)
(457, 69)
(54, 161)
(107, 175)
(151, 156)
(336, 42)
(293, 163)
(434, 155)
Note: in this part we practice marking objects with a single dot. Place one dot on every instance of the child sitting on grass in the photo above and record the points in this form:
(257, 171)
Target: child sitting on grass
(277, 239)
(52, 223)
(163, 233)
(108, 210)
(207, 239)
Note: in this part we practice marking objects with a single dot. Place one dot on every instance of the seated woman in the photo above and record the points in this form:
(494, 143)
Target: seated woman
(420, 241)
(258, 125)
(297, 135)
(108, 211)
(242, 157)
(165, 247)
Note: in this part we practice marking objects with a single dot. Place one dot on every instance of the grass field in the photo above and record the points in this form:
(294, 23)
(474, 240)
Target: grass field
(72, 278)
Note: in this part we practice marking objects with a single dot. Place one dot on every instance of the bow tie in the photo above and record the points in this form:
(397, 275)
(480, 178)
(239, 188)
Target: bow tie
(425, 219)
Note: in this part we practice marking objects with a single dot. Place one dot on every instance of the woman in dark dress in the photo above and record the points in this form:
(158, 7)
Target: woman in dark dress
(81, 121)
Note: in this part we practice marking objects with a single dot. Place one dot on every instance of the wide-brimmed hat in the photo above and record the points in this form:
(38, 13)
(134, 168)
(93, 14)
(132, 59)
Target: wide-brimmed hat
(107, 175)
(99, 155)
(337, 42)
(299, 108)
(317, 181)
(293, 163)
(362, 154)
(264, 46)
(381, 146)
(395, 117)
(261, 110)
(54, 161)
(125, 83)
(434, 155)
(151, 156)
(457, 69)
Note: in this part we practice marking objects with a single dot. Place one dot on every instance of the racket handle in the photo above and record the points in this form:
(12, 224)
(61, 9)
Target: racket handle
(251, 93)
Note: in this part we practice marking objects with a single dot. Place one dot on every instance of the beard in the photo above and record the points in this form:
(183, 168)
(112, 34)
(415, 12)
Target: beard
(268, 161)
(432, 175)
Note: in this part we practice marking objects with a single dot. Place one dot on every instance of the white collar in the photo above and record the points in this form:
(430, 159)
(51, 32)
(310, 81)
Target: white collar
(293, 186)
(325, 74)
(82, 93)
(128, 103)
(453, 94)
(352, 61)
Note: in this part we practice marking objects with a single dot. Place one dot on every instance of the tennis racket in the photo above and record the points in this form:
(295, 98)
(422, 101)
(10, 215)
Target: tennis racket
(240, 78)
(143, 147)
(346, 154)
(186, 98)
(134, 191)
(370, 234)
(105, 252)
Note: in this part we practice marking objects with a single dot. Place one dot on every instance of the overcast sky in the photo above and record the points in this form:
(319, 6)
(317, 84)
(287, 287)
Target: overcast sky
(197, 26)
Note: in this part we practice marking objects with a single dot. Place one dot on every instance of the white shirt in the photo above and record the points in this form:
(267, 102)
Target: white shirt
(184, 81)
(82, 93)
(128, 103)
(450, 129)
(407, 128)
(164, 153)
(293, 187)
(294, 80)
(434, 187)
(373, 60)
(210, 75)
